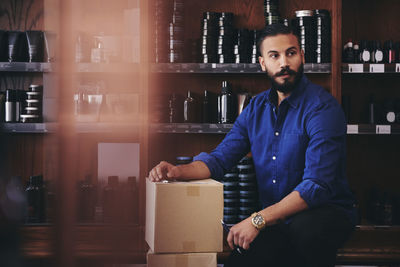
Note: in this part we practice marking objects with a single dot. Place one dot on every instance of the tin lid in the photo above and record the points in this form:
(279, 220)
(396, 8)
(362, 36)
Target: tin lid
(29, 116)
(32, 100)
(304, 13)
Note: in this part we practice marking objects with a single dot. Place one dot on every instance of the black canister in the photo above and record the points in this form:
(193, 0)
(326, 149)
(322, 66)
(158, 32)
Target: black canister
(231, 202)
(247, 210)
(230, 219)
(245, 169)
(231, 210)
(86, 200)
(247, 177)
(305, 25)
(231, 177)
(111, 200)
(323, 28)
(183, 160)
(231, 185)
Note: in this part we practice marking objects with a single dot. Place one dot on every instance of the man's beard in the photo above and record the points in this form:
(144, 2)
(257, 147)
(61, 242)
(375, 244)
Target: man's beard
(287, 86)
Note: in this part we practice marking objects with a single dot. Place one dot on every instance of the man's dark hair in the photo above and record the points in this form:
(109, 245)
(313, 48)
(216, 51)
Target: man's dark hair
(273, 30)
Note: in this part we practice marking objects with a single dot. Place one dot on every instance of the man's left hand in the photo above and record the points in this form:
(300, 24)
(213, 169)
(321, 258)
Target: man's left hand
(242, 234)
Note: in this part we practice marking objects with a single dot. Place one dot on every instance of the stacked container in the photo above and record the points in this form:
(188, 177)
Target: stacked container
(323, 23)
(248, 192)
(176, 33)
(32, 104)
(240, 192)
(271, 12)
(209, 38)
(162, 17)
(226, 38)
(305, 26)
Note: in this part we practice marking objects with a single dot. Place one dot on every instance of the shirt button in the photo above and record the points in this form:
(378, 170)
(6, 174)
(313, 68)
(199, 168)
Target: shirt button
(276, 133)
(273, 158)
(274, 181)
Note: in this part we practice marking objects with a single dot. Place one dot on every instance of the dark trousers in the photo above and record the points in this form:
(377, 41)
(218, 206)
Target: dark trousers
(310, 239)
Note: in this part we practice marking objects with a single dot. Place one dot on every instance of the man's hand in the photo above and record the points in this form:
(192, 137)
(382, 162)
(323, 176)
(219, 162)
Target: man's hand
(242, 234)
(164, 171)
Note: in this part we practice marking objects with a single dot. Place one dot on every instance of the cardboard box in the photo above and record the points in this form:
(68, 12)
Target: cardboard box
(184, 216)
(182, 260)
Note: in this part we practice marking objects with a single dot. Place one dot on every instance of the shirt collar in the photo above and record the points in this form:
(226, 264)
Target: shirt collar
(294, 97)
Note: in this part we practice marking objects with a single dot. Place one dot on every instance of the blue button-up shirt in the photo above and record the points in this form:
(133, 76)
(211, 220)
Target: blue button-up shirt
(299, 146)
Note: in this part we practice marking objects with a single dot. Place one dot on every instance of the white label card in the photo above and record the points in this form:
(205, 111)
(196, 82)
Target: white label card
(352, 128)
(377, 68)
(213, 65)
(382, 129)
(356, 68)
(397, 67)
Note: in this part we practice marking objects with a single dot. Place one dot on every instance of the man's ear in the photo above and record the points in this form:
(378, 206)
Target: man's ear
(302, 56)
(262, 63)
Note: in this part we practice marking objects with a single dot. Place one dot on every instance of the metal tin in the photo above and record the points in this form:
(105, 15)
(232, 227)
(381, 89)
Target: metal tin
(35, 88)
(304, 13)
(25, 118)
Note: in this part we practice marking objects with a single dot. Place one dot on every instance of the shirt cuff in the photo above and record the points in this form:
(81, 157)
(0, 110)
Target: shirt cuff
(215, 170)
(313, 194)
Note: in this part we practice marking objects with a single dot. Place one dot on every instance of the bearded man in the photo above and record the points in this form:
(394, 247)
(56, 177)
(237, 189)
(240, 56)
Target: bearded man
(296, 133)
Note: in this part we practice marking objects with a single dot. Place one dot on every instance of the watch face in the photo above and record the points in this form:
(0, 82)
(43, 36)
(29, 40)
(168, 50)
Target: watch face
(258, 219)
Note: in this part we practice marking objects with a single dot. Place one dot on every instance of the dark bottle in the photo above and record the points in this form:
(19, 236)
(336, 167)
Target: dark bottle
(86, 200)
(130, 203)
(173, 110)
(111, 203)
(206, 111)
(227, 104)
(36, 200)
(348, 53)
(189, 109)
(388, 52)
(365, 55)
(9, 106)
(346, 105)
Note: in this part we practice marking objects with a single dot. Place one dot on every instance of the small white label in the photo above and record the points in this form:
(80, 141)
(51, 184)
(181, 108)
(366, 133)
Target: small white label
(352, 128)
(356, 68)
(397, 67)
(382, 129)
(213, 65)
(377, 68)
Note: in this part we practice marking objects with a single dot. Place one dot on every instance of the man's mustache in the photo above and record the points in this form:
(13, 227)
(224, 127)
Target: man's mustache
(285, 71)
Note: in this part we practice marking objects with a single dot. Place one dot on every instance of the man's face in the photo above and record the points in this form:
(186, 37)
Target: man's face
(282, 59)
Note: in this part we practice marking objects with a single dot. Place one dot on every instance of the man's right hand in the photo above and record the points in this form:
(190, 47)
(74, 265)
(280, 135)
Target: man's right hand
(164, 171)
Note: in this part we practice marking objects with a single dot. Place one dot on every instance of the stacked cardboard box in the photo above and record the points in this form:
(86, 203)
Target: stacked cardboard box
(183, 223)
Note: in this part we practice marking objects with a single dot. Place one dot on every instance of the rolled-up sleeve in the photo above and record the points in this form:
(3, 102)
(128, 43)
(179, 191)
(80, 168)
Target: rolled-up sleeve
(235, 145)
(326, 129)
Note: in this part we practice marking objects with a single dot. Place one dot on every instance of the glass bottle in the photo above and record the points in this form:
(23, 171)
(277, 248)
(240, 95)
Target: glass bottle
(227, 104)
(206, 109)
(86, 200)
(130, 201)
(189, 109)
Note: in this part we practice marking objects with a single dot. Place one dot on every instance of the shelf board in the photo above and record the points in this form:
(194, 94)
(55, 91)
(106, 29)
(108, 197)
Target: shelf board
(197, 128)
(26, 67)
(373, 129)
(107, 67)
(227, 68)
(370, 68)
(39, 128)
(107, 127)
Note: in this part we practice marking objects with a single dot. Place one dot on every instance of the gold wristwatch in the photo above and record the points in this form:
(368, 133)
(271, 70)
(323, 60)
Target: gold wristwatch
(258, 221)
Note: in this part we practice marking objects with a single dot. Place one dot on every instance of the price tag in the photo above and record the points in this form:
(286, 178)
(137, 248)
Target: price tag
(40, 126)
(357, 68)
(377, 68)
(352, 128)
(397, 67)
(382, 129)
(213, 65)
